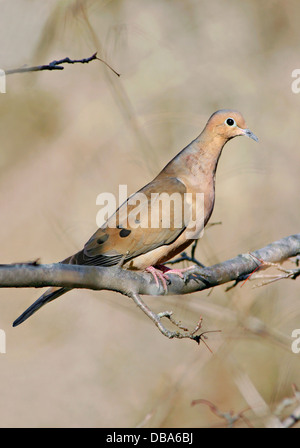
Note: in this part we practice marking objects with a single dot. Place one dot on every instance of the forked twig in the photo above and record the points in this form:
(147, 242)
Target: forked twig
(157, 319)
(288, 273)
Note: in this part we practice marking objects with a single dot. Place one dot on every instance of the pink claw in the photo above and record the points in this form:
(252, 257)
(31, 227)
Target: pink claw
(161, 272)
(157, 274)
(178, 271)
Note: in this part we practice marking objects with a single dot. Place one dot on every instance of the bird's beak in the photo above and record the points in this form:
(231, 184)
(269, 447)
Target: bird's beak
(249, 134)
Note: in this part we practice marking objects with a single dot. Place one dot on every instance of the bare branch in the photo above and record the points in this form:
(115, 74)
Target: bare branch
(294, 416)
(134, 284)
(57, 65)
(24, 275)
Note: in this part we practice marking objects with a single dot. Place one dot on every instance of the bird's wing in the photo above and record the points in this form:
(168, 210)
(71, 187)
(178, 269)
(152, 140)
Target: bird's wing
(152, 217)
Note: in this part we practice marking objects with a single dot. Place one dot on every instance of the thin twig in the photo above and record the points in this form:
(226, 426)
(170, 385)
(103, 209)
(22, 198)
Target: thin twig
(157, 319)
(229, 416)
(57, 65)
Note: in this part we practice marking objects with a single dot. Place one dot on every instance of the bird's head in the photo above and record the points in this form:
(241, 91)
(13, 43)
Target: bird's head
(228, 124)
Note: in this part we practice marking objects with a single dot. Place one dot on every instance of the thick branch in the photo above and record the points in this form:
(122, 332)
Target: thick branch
(130, 282)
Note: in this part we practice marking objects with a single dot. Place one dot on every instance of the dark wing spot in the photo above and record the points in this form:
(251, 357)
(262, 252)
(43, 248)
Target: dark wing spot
(124, 232)
(102, 239)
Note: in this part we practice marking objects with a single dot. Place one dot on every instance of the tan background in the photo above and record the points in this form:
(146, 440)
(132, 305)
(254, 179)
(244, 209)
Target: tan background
(92, 359)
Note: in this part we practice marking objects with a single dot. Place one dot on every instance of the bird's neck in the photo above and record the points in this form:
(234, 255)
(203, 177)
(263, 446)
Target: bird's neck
(198, 161)
(208, 149)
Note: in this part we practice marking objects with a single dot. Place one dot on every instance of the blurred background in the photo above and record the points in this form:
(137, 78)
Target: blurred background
(92, 359)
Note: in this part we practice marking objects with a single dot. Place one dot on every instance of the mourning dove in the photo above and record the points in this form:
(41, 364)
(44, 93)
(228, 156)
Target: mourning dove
(142, 245)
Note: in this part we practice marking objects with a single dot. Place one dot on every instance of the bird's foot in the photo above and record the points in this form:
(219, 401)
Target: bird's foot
(161, 272)
(183, 273)
(157, 274)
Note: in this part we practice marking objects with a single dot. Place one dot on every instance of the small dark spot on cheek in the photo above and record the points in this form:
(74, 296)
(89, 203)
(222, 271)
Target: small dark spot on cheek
(102, 239)
(124, 232)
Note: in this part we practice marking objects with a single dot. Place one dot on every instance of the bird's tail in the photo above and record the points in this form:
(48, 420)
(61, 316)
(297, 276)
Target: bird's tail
(48, 296)
(51, 294)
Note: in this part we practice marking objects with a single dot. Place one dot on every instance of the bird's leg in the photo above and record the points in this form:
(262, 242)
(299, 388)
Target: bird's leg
(185, 257)
(193, 250)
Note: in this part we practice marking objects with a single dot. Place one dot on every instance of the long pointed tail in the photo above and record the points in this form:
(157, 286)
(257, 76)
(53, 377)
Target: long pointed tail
(48, 296)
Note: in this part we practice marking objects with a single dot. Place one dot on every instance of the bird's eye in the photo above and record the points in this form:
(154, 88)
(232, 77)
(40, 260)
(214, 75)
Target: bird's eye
(230, 121)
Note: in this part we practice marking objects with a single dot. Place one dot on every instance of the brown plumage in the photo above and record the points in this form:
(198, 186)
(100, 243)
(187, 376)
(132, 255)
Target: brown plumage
(140, 246)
